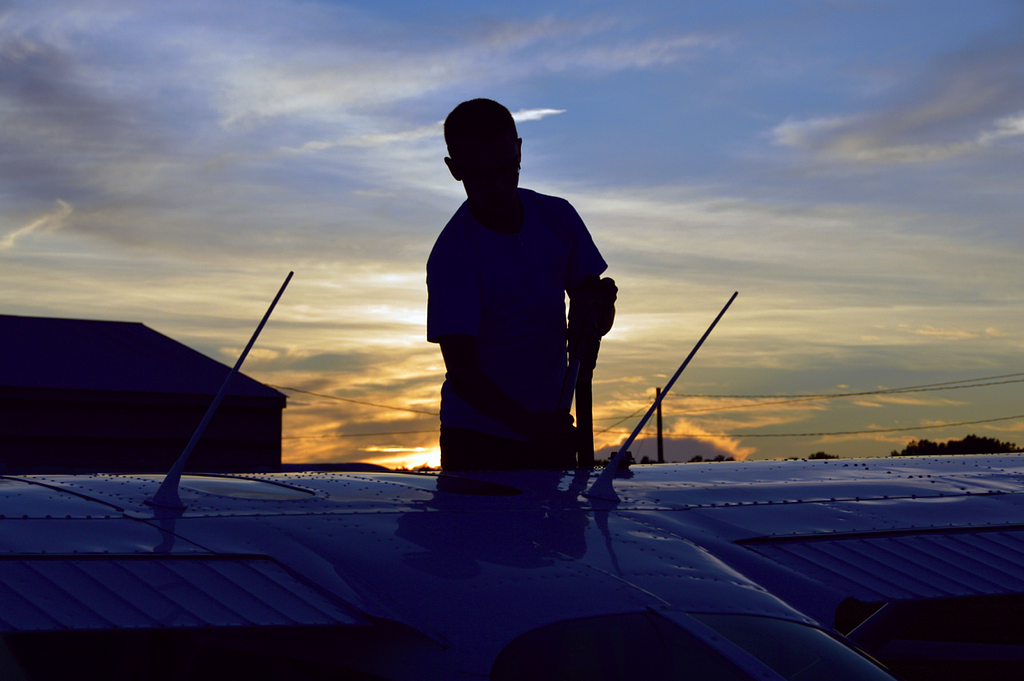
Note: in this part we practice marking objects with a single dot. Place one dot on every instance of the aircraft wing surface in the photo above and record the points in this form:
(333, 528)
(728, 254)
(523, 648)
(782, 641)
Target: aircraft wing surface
(434, 576)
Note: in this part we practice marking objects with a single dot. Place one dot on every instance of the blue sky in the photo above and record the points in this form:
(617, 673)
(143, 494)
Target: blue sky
(853, 169)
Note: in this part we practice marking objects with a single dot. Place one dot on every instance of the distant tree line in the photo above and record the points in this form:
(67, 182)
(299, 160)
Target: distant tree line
(696, 459)
(812, 457)
(646, 459)
(972, 444)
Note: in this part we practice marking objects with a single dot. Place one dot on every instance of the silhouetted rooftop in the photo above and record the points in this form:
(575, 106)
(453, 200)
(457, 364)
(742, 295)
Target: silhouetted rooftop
(81, 354)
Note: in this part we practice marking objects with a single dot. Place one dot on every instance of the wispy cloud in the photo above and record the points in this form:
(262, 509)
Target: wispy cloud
(844, 139)
(535, 114)
(632, 55)
(45, 223)
(1011, 126)
(952, 334)
(966, 103)
(434, 130)
(131, 113)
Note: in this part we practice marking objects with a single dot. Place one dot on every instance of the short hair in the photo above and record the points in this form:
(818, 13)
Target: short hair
(478, 120)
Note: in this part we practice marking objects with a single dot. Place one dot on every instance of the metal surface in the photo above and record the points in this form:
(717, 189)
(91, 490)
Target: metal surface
(938, 564)
(49, 594)
(470, 562)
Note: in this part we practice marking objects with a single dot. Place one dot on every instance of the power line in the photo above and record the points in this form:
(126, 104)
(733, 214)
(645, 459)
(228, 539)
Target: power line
(624, 418)
(885, 430)
(947, 385)
(808, 398)
(811, 398)
(348, 399)
(912, 388)
(838, 432)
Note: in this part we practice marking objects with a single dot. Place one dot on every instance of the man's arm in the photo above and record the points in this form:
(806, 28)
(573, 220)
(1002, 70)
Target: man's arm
(467, 379)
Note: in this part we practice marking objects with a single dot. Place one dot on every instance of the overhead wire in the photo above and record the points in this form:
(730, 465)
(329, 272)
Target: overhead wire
(931, 387)
(839, 432)
(928, 387)
(349, 399)
(912, 388)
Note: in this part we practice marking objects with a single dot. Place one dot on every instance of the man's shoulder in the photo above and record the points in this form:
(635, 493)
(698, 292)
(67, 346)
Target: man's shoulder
(453, 241)
(458, 218)
(554, 211)
(553, 203)
(455, 228)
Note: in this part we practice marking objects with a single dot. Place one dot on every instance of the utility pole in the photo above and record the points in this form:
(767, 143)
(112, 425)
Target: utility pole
(661, 448)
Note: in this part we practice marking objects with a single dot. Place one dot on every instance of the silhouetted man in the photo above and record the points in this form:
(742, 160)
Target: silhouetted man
(496, 281)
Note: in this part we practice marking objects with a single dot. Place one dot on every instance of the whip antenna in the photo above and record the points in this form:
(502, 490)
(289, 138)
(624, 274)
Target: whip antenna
(167, 495)
(602, 487)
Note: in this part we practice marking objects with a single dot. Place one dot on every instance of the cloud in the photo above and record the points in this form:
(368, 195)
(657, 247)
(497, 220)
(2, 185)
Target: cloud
(681, 442)
(716, 444)
(410, 135)
(748, 243)
(373, 139)
(434, 130)
(854, 140)
(534, 114)
(342, 82)
(633, 55)
(59, 123)
(964, 103)
(884, 400)
(804, 134)
(951, 334)
(1011, 126)
(45, 223)
(183, 127)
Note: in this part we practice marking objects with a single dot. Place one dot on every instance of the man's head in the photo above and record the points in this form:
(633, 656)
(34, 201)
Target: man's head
(484, 154)
(477, 121)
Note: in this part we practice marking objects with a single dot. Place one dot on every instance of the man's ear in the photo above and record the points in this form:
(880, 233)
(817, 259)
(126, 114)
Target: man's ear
(453, 168)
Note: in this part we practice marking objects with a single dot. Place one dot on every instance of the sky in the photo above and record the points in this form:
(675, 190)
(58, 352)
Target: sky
(853, 168)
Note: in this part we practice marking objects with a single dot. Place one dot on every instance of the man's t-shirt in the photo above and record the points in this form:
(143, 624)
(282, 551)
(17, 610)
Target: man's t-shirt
(508, 290)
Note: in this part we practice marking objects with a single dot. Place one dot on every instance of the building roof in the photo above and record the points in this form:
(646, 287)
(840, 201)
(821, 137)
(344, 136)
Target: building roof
(83, 354)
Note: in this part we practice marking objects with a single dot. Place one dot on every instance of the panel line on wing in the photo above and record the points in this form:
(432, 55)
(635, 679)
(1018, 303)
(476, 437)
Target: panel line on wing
(145, 592)
(908, 565)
